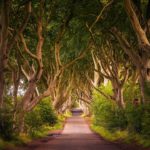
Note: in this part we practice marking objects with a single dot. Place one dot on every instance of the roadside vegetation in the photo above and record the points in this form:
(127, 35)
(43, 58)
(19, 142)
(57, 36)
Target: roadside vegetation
(40, 122)
(127, 125)
(58, 53)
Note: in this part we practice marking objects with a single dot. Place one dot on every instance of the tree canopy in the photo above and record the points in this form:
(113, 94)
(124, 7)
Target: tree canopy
(65, 49)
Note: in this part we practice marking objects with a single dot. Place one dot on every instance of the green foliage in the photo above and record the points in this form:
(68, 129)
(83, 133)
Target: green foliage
(47, 113)
(125, 136)
(138, 119)
(33, 120)
(106, 112)
(42, 115)
(146, 121)
(6, 124)
(131, 91)
(135, 118)
(147, 89)
(109, 135)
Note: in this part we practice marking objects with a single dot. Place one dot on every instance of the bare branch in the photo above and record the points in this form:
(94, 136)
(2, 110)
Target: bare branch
(141, 35)
(26, 48)
(102, 93)
(126, 47)
(80, 56)
(100, 14)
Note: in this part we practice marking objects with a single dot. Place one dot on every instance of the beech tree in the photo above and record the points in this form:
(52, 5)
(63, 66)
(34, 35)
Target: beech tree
(6, 40)
(140, 57)
(65, 49)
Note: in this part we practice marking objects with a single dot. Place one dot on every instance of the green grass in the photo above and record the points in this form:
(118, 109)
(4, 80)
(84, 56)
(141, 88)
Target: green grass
(109, 135)
(145, 142)
(123, 136)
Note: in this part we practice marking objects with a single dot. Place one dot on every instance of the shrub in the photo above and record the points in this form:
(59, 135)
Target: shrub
(131, 91)
(33, 121)
(6, 125)
(106, 112)
(118, 119)
(134, 116)
(41, 115)
(139, 119)
(146, 121)
(47, 113)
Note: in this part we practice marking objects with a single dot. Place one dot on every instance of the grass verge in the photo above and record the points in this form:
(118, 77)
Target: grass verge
(123, 136)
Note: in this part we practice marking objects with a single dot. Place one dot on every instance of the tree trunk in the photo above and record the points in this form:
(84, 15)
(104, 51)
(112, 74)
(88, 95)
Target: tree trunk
(20, 110)
(96, 74)
(144, 45)
(23, 106)
(120, 98)
(3, 44)
(20, 118)
(118, 94)
(145, 81)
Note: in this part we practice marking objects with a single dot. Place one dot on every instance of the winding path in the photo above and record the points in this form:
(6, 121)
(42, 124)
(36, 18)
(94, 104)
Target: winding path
(75, 136)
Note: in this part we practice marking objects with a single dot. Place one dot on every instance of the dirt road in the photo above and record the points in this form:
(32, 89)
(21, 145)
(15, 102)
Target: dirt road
(75, 136)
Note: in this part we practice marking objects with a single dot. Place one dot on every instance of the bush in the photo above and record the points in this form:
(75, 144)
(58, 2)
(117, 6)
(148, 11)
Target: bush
(106, 112)
(33, 121)
(41, 115)
(118, 120)
(6, 125)
(146, 122)
(134, 116)
(139, 119)
(131, 91)
(47, 113)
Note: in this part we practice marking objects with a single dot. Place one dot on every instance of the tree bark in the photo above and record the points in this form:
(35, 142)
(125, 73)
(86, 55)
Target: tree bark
(20, 122)
(4, 24)
(141, 35)
(142, 63)
(4, 45)
(34, 75)
(118, 93)
(120, 98)
(96, 74)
